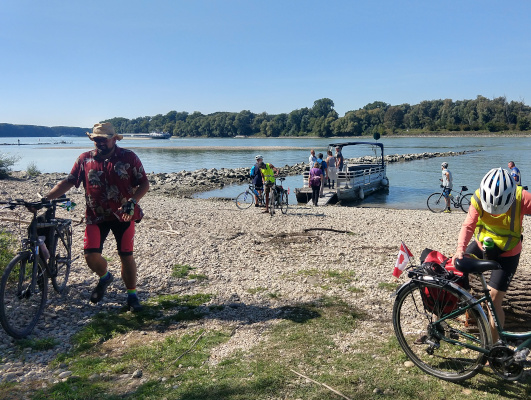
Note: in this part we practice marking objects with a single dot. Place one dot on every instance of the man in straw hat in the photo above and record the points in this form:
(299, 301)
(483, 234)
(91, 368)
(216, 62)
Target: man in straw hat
(114, 181)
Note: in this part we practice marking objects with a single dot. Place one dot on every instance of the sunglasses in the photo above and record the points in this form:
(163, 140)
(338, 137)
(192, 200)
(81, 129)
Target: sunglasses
(100, 139)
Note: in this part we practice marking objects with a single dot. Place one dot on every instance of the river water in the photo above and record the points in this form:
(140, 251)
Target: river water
(410, 182)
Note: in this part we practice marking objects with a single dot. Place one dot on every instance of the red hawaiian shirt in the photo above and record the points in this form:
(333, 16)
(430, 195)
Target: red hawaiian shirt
(108, 183)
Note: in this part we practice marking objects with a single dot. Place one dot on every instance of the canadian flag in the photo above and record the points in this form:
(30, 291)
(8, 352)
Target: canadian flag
(403, 258)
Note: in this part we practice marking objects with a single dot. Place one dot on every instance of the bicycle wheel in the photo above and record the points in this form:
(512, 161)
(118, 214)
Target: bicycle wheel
(465, 202)
(420, 337)
(61, 258)
(284, 202)
(245, 200)
(272, 201)
(20, 306)
(436, 202)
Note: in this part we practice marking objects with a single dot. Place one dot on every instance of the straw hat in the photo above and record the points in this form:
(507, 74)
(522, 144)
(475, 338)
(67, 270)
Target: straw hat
(105, 130)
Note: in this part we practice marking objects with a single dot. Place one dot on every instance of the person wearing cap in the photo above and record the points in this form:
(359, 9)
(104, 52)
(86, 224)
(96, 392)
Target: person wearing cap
(114, 181)
(496, 211)
(447, 183)
(257, 179)
(515, 173)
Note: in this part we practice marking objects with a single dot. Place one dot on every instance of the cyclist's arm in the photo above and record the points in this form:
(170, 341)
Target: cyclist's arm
(466, 233)
(59, 189)
(141, 190)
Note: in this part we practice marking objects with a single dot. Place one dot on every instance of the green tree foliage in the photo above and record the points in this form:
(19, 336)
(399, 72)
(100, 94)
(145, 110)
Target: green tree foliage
(479, 114)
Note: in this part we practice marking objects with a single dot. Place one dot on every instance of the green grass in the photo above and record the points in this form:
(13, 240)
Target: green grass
(7, 249)
(37, 344)
(324, 340)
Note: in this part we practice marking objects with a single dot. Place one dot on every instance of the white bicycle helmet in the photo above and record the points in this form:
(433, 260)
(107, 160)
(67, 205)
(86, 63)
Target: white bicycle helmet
(444, 165)
(497, 191)
(259, 157)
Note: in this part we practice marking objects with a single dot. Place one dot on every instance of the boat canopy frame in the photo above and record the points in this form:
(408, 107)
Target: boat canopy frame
(341, 145)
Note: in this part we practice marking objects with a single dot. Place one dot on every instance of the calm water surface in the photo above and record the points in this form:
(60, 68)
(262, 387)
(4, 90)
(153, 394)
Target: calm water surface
(410, 182)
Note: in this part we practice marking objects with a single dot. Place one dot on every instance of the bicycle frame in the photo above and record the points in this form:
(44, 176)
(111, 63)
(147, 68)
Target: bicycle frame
(472, 303)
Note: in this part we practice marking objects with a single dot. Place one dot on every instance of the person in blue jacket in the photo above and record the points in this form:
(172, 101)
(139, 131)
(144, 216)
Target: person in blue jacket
(257, 179)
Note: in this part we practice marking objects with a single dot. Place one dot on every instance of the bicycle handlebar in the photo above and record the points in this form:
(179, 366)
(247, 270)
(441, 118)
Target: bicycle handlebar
(36, 205)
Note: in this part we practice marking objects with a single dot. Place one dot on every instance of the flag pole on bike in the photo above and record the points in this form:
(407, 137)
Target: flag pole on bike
(404, 255)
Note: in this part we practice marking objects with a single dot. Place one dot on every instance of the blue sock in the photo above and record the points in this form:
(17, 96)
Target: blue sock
(106, 276)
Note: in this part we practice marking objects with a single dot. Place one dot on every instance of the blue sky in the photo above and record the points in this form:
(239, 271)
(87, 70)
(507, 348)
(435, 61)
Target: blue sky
(75, 63)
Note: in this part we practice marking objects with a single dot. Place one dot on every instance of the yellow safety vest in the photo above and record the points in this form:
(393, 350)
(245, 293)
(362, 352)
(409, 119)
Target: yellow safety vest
(269, 174)
(504, 229)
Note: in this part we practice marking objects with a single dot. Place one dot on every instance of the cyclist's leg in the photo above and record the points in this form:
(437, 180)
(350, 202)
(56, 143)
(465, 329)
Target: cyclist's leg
(446, 194)
(95, 235)
(498, 284)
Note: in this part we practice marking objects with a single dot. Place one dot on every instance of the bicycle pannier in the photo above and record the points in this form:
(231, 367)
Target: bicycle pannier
(439, 301)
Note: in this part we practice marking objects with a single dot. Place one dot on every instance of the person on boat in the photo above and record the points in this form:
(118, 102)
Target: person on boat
(447, 183)
(497, 210)
(114, 181)
(268, 172)
(515, 173)
(332, 170)
(312, 159)
(256, 176)
(315, 182)
(324, 169)
(339, 159)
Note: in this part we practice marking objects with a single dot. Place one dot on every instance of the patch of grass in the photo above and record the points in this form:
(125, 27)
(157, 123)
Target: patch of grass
(274, 295)
(332, 276)
(389, 286)
(37, 344)
(6, 163)
(181, 271)
(32, 169)
(320, 339)
(198, 277)
(7, 249)
(256, 290)
(159, 312)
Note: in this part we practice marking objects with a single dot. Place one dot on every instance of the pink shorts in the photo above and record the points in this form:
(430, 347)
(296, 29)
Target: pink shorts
(124, 233)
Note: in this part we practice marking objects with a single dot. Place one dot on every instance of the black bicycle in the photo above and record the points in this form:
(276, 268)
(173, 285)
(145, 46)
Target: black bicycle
(46, 253)
(437, 202)
(278, 197)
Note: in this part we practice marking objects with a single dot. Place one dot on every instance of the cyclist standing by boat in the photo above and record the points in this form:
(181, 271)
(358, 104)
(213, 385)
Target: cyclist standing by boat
(114, 181)
(497, 211)
(268, 172)
(257, 179)
(447, 183)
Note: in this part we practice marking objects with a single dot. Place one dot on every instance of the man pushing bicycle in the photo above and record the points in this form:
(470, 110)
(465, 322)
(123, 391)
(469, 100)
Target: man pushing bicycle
(114, 181)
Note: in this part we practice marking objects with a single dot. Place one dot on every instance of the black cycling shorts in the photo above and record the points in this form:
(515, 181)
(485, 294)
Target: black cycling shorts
(500, 279)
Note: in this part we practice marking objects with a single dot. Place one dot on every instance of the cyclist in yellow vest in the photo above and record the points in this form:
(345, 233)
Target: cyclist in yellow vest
(268, 172)
(497, 210)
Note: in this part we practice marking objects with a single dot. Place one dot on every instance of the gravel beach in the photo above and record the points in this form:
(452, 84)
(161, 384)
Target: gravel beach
(244, 255)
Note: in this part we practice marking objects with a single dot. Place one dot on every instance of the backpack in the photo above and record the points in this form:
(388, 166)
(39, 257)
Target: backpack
(439, 301)
(253, 171)
(315, 180)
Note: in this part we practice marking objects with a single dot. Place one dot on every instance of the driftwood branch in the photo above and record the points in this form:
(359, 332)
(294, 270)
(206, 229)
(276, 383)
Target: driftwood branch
(326, 229)
(190, 349)
(322, 384)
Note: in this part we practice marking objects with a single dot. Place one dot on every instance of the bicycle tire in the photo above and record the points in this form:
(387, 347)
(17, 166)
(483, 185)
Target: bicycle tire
(436, 202)
(284, 202)
(465, 202)
(61, 258)
(20, 309)
(272, 201)
(245, 200)
(412, 322)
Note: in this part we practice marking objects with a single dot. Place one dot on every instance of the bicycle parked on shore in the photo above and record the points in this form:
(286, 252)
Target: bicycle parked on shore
(444, 330)
(278, 197)
(247, 198)
(46, 253)
(437, 202)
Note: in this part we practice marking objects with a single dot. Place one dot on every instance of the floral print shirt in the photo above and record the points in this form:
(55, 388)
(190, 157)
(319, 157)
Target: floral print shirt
(108, 183)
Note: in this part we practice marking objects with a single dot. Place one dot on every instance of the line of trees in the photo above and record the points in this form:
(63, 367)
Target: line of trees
(480, 114)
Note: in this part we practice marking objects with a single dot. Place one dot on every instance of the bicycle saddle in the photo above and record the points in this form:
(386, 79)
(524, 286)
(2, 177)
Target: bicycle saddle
(475, 266)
